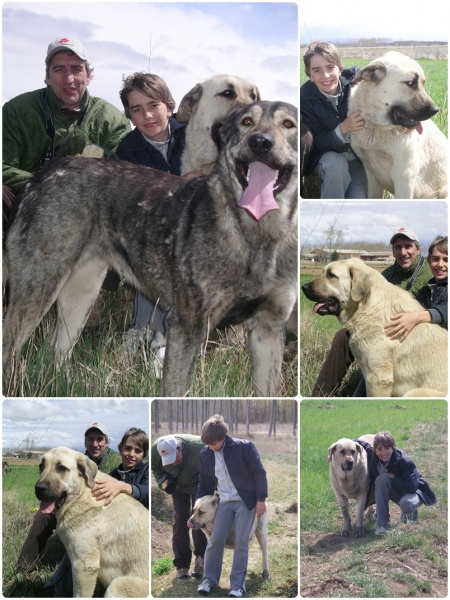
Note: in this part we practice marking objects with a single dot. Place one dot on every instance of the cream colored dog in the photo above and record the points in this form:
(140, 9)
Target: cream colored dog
(364, 301)
(349, 477)
(108, 544)
(390, 94)
(203, 518)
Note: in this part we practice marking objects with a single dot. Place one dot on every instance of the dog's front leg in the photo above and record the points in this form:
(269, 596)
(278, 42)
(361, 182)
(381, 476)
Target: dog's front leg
(266, 343)
(84, 572)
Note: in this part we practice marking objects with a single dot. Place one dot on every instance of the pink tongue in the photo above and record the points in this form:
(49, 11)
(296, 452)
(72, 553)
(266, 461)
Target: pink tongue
(419, 128)
(258, 196)
(47, 507)
(190, 524)
(317, 306)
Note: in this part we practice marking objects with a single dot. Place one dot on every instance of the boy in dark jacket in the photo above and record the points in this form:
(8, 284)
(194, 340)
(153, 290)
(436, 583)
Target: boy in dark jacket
(157, 141)
(242, 485)
(323, 104)
(394, 476)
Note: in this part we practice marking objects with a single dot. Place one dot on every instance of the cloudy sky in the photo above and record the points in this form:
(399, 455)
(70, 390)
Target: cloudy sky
(397, 20)
(63, 422)
(187, 42)
(374, 221)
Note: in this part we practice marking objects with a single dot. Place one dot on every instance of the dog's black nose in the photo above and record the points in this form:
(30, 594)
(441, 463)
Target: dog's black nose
(40, 489)
(261, 143)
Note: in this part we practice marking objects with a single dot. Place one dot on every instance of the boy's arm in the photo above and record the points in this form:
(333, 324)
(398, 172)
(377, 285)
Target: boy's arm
(255, 465)
(323, 140)
(408, 481)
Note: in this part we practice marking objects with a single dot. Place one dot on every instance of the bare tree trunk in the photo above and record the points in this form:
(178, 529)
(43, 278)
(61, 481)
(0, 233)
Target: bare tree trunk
(155, 407)
(170, 416)
(294, 428)
(273, 419)
(247, 419)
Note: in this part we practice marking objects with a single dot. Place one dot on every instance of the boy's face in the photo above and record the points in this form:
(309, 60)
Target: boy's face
(438, 264)
(149, 115)
(323, 74)
(131, 453)
(216, 446)
(384, 453)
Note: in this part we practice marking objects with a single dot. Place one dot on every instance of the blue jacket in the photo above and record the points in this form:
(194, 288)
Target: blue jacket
(322, 118)
(434, 297)
(137, 477)
(407, 480)
(245, 469)
(135, 148)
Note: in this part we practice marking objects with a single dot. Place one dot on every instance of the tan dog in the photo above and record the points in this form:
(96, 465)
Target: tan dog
(205, 107)
(390, 94)
(203, 518)
(364, 301)
(105, 544)
(349, 477)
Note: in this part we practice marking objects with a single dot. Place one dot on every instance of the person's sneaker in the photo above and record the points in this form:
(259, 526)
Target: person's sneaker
(204, 588)
(412, 517)
(132, 341)
(382, 529)
(158, 361)
(237, 593)
(198, 567)
(183, 574)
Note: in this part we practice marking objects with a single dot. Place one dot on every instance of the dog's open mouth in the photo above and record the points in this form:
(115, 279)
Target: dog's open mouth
(261, 184)
(329, 307)
(50, 506)
(400, 118)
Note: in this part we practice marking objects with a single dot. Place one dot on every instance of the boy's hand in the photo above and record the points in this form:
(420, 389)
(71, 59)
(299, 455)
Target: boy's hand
(107, 490)
(193, 174)
(354, 122)
(261, 508)
(403, 323)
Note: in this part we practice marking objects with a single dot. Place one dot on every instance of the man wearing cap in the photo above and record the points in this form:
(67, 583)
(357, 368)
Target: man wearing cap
(59, 120)
(96, 440)
(175, 467)
(411, 272)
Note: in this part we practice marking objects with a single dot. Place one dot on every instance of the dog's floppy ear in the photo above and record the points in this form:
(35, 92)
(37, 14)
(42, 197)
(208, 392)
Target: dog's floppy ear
(188, 103)
(88, 469)
(258, 95)
(359, 284)
(216, 499)
(359, 447)
(374, 72)
(331, 449)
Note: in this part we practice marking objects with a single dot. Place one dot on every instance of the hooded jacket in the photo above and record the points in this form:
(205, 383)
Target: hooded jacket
(434, 297)
(137, 477)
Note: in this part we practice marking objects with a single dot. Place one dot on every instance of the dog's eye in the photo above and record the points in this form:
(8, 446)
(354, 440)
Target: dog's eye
(253, 97)
(61, 469)
(331, 275)
(288, 124)
(228, 94)
(247, 121)
(412, 84)
(200, 512)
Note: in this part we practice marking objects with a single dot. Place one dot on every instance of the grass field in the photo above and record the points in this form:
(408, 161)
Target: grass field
(279, 457)
(97, 367)
(410, 560)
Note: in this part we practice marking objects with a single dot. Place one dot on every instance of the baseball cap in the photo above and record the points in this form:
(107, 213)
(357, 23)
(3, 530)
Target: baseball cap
(167, 448)
(406, 232)
(66, 43)
(97, 425)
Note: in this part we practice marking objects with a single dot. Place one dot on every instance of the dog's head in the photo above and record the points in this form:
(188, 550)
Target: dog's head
(260, 153)
(343, 284)
(63, 474)
(394, 92)
(204, 512)
(344, 455)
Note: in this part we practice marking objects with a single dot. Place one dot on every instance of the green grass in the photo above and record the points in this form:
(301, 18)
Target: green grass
(22, 479)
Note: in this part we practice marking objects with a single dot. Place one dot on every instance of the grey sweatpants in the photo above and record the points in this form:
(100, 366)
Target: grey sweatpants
(227, 514)
(385, 492)
(341, 178)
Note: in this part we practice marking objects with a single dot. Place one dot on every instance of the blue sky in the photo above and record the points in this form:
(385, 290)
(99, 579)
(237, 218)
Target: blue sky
(190, 42)
(353, 19)
(54, 423)
(374, 221)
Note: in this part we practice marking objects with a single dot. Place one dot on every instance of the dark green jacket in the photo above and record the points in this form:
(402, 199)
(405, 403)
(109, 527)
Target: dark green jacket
(107, 461)
(396, 276)
(187, 472)
(25, 137)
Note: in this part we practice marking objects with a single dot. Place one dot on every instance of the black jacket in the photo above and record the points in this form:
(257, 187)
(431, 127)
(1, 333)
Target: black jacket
(245, 469)
(135, 148)
(434, 297)
(322, 118)
(137, 477)
(407, 480)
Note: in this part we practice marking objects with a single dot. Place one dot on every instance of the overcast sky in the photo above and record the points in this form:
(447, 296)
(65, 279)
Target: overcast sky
(54, 423)
(189, 42)
(353, 19)
(374, 221)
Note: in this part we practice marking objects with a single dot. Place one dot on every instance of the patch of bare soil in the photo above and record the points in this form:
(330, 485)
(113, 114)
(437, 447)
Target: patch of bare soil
(161, 538)
(322, 571)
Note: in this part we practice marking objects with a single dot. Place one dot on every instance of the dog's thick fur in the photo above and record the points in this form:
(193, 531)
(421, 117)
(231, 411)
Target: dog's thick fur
(364, 301)
(105, 544)
(188, 245)
(390, 94)
(349, 477)
(203, 517)
(205, 108)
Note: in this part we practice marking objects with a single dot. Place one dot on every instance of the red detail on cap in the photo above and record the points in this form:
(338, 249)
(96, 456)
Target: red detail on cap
(163, 452)
(402, 229)
(95, 423)
(63, 41)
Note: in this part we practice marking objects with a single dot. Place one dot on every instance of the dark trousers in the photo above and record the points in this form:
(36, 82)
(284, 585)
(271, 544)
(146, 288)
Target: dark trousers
(41, 529)
(183, 505)
(335, 367)
(306, 142)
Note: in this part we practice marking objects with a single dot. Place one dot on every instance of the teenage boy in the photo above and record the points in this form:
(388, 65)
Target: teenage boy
(242, 486)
